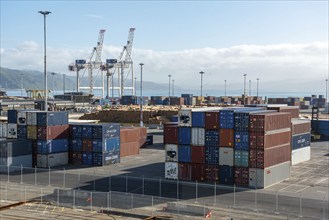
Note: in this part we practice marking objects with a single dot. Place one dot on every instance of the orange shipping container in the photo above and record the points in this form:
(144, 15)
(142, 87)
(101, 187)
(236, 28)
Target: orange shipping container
(129, 149)
(226, 137)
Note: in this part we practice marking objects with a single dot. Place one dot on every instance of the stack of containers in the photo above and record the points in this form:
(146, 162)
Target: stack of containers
(301, 141)
(12, 124)
(270, 148)
(94, 144)
(170, 140)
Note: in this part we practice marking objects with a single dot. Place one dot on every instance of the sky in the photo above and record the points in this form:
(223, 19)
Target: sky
(283, 43)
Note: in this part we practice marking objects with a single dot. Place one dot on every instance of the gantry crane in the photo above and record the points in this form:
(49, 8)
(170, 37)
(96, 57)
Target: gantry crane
(94, 62)
(118, 65)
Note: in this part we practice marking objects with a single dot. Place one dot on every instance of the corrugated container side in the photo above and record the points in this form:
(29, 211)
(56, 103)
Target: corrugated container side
(76, 131)
(212, 138)
(52, 160)
(170, 134)
(3, 130)
(241, 140)
(212, 173)
(110, 130)
(198, 119)
(87, 145)
(112, 145)
(52, 118)
(226, 137)
(226, 175)
(97, 159)
(76, 145)
(15, 148)
(184, 153)
(198, 154)
(300, 126)
(87, 158)
(293, 110)
(129, 135)
(32, 132)
(76, 158)
(226, 118)
(198, 172)
(22, 132)
(212, 120)
(265, 122)
(171, 170)
(184, 171)
(241, 176)
(12, 131)
(185, 117)
(171, 152)
(12, 116)
(52, 146)
(31, 118)
(111, 157)
(270, 139)
(300, 155)
(98, 145)
(129, 149)
(226, 156)
(53, 132)
(198, 136)
(21, 118)
(212, 155)
(241, 158)
(300, 141)
(87, 131)
(184, 135)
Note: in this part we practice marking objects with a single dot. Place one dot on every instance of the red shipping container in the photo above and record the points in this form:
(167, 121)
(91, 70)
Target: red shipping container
(198, 154)
(129, 134)
(241, 176)
(293, 110)
(87, 145)
(212, 120)
(269, 157)
(270, 139)
(170, 133)
(198, 172)
(184, 171)
(226, 137)
(128, 149)
(300, 126)
(76, 158)
(53, 132)
(265, 122)
(212, 173)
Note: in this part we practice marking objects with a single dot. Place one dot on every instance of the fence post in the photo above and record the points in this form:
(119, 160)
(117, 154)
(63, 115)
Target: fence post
(7, 173)
(300, 205)
(57, 196)
(177, 189)
(196, 191)
(276, 203)
(94, 180)
(126, 184)
(73, 199)
(132, 201)
(41, 195)
(21, 192)
(143, 185)
(152, 206)
(215, 194)
(91, 201)
(25, 194)
(234, 195)
(49, 176)
(109, 181)
(79, 180)
(64, 178)
(6, 191)
(35, 175)
(160, 187)
(21, 174)
(256, 199)
(108, 201)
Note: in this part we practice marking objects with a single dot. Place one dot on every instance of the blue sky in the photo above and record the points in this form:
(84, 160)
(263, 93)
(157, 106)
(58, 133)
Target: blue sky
(170, 36)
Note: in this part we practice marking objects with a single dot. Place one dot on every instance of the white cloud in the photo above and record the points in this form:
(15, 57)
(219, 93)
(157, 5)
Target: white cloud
(268, 62)
(95, 16)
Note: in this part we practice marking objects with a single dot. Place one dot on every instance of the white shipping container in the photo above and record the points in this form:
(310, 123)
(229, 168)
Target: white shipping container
(171, 170)
(31, 118)
(185, 118)
(300, 155)
(198, 136)
(52, 160)
(12, 131)
(171, 152)
(262, 178)
(21, 117)
(226, 156)
(3, 130)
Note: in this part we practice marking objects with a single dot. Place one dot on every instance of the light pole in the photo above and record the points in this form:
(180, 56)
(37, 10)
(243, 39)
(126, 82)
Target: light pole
(141, 96)
(249, 87)
(225, 87)
(169, 88)
(135, 78)
(45, 13)
(22, 84)
(244, 86)
(326, 92)
(201, 73)
(52, 73)
(173, 87)
(257, 86)
(63, 83)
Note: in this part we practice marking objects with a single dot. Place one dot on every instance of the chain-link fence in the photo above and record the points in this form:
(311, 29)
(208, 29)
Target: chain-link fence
(149, 196)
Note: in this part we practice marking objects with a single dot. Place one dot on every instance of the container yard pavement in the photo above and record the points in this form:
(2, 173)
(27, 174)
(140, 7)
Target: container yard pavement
(304, 194)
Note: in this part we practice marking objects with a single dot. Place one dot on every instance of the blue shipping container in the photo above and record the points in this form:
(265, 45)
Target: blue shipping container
(212, 138)
(98, 145)
(184, 153)
(76, 145)
(184, 135)
(87, 158)
(52, 118)
(226, 175)
(241, 118)
(198, 119)
(241, 158)
(52, 146)
(97, 159)
(12, 116)
(111, 130)
(111, 145)
(241, 140)
(76, 131)
(323, 125)
(301, 140)
(174, 118)
(226, 118)
(22, 132)
(212, 155)
(87, 131)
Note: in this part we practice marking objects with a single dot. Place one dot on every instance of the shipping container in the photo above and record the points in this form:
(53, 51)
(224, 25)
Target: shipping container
(32, 132)
(184, 171)
(226, 118)
(76, 130)
(241, 140)
(226, 175)
(87, 158)
(300, 141)
(22, 132)
(12, 131)
(212, 120)
(129, 149)
(21, 118)
(198, 172)
(170, 133)
(171, 170)
(129, 134)
(52, 146)
(112, 157)
(184, 153)
(269, 157)
(75, 158)
(300, 155)
(265, 122)
(171, 152)
(97, 159)
(212, 155)
(241, 176)
(76, 145)
(87, 145)
(293, 110)
(212, 173)
(198, 136)
(112, 145)
(31, 118)
(226, 137)
(184, 135)
(15, 148)
(53, 132)
(266, 140)
(212, 138)
(198, 119)
(52, 160)
(241, 158)
(185, 118)
(198, 154)
(263, 178)
(226, 156)
(3, 130)
(15, 163)
(300, 126)
(52, 118)
(12, 116)
(110, 130)
(87, 131)
(241, 118)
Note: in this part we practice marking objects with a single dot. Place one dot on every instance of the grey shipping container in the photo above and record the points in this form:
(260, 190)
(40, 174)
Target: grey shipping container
(185, 118)
(262, 178)
(226, 156)
(3, 130)
(171, 152)
(31, 118)
(198, 136)
(12, 131)
(52, 160)
(14, 163)
(14, 148)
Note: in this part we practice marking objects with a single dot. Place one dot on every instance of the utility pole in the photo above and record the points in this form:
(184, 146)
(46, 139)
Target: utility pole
(169, 88)
(326, 93)
(244, 86)
(249, 87)
(173, 87)
(257, 86)
(141, 96)
(225, 86)
(201, 73)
